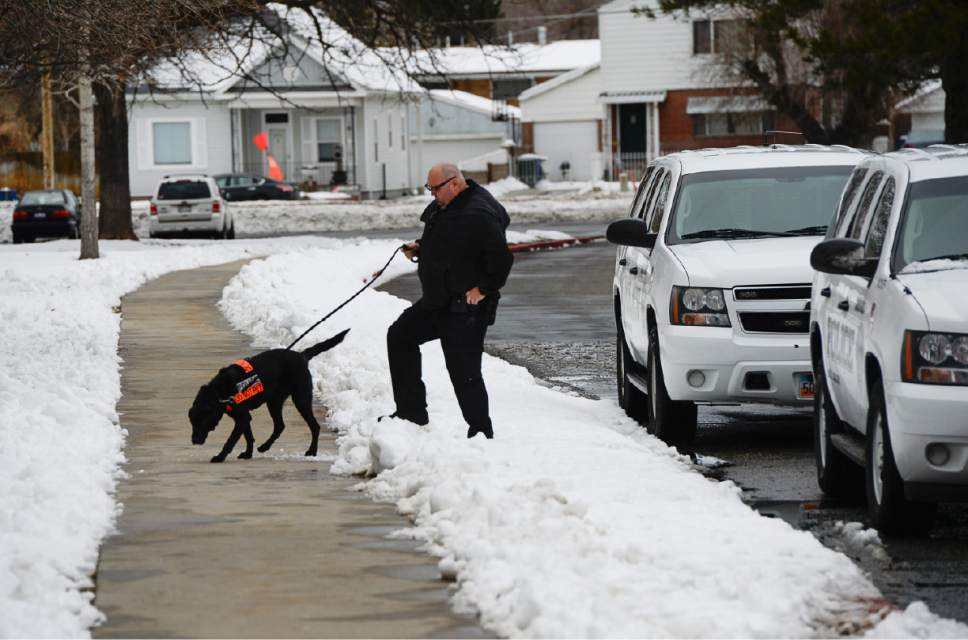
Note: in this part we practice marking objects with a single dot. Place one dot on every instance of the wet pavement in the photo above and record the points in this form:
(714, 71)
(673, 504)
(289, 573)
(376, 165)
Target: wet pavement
(556, 319)
(275, 546)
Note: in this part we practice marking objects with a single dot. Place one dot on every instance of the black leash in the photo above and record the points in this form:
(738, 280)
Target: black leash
(350, 299)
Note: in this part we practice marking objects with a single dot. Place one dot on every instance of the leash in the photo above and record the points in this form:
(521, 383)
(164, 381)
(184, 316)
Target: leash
(350, 299)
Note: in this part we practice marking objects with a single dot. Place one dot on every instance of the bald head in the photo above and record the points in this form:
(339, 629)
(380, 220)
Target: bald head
(446, 181)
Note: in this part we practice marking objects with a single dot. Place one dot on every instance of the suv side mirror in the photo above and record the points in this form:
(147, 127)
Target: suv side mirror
(631, 232)
(842, 256)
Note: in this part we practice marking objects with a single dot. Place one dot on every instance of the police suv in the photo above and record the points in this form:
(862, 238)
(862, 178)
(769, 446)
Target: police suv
(712, 279)
(889, 336)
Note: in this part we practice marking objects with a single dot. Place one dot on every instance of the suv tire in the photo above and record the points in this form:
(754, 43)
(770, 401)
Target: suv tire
(673, 422)
(890, 511)
(630, 398)
(837, 475)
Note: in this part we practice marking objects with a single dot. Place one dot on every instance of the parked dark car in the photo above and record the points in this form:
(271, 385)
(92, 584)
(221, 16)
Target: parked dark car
(244, 186)
(47, 213)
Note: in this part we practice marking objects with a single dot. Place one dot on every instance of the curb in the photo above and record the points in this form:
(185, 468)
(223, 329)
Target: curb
(550, 244)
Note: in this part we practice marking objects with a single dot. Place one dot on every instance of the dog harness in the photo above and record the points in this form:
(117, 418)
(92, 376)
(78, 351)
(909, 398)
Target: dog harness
(247, 387)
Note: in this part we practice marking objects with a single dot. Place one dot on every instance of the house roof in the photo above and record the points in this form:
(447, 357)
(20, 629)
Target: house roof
(558, 81)
(343, 56)
(918, 102)
(525, 58)
(470, 101)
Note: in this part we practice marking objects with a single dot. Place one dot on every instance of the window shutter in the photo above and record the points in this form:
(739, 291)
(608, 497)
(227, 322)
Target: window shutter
(307, 127)
(199, 143)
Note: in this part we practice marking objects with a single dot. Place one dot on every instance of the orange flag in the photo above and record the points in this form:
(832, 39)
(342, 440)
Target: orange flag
(261, 140)
(275, 171)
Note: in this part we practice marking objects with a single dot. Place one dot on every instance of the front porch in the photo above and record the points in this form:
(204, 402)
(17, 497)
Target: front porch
(314, 146)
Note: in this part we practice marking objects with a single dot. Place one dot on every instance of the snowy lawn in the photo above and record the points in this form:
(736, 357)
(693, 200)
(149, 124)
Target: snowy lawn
(572, 522)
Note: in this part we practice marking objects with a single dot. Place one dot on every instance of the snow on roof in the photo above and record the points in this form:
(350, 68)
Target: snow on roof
(554, 57)
(331, 46)
(557, 81)
(912, 103)
(470, 101)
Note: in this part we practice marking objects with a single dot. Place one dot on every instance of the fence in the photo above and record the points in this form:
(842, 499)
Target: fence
(24, 171)
(632, 164)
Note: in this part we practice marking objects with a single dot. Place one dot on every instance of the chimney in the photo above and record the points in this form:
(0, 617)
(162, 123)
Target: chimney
(542, 35)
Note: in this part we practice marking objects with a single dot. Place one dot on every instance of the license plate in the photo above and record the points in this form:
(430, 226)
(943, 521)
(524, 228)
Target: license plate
(804, 385)
(40, 214)
(186, 208)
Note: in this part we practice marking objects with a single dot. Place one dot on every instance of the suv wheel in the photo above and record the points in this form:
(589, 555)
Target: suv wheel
(630, 398)
(890, 511)
(673, 422)
(837, 475)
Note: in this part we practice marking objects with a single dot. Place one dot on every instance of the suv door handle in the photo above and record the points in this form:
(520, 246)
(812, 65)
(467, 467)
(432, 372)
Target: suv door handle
(634, 271)
(825, 292)
(623, 262)
(843, 305)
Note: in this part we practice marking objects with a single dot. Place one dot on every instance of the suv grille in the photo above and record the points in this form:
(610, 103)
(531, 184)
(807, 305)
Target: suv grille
(775, 321)
(796, 292)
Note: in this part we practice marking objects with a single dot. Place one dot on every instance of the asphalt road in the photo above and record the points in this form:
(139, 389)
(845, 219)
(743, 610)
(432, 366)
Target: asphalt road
(555, 319)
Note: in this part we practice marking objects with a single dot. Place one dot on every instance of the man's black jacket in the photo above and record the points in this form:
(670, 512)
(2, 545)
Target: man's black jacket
(463, 246)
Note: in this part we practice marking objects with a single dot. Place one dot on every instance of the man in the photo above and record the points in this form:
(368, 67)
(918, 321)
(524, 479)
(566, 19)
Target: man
(463, 261)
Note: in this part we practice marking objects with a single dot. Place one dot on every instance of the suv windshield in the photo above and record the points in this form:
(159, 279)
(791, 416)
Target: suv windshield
(757, 203)
(183, 190)
(933, 224)
(43, 197)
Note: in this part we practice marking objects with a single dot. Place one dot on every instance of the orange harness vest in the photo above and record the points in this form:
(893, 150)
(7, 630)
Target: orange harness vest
(247, 387)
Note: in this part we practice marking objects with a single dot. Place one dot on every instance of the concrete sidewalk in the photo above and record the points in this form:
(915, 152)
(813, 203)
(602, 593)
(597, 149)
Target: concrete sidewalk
(270, 547)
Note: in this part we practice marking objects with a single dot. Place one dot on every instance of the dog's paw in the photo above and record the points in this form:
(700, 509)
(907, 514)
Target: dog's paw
(311, 453)
(218, 459)
(265, 446)
(245, 455)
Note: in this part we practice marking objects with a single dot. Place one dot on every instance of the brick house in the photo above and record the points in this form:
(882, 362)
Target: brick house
(661, 91)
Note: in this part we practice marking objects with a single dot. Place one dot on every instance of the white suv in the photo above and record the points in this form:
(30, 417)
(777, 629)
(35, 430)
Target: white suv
(712, 280)
(889, 336)
(189, 205)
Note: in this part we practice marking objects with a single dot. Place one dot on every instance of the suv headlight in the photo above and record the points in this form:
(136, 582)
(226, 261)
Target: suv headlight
(930, 357)
(697, 306)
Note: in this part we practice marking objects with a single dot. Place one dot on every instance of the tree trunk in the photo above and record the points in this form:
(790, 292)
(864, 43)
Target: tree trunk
(89, 248)
(114, 218)
(47, 130)
(954, 80)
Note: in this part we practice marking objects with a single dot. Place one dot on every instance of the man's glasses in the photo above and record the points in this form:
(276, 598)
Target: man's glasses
(436, 187)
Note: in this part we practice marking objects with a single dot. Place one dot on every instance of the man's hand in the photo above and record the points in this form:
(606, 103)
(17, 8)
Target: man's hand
(411, 249)
(474, 296)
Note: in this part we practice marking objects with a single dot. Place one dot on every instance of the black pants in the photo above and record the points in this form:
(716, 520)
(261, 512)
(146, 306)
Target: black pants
(460, 330)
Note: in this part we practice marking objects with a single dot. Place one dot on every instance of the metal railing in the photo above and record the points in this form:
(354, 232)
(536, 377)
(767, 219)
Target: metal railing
(631, 163)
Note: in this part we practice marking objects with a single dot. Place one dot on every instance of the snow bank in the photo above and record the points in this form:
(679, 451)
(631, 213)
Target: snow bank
(60, 441)
(573, 521)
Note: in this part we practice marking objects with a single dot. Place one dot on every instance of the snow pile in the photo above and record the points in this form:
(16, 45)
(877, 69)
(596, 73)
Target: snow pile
(535, 235)
(860, 540)
(60, 441)
(506, 185)
(573, 521)
(327, 195)
(917, 621)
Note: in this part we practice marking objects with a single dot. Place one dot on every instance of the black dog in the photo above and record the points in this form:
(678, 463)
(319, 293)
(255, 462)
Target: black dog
(269, 377)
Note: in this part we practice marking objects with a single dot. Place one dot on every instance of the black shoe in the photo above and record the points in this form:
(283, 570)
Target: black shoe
(419, 421)
(488, 433)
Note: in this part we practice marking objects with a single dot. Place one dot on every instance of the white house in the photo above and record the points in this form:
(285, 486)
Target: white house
(926, 108)
(662, 90)
(562, 119)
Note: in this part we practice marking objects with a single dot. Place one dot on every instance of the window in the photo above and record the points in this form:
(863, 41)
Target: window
(43, 197)
(650, 197)
(716, 36)
(640, 194)
(856, 179)
(660, 202)
(878, 227)
(327, 139)
(861, 215)
(933, 222)
(172, 142)
(277, 118)
(376, 140)
(509, 89)
(183, 190)
(702, 37)
(730, 124)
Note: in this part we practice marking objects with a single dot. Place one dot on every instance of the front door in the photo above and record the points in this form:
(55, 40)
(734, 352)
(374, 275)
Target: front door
(631, 127)
(279, 149)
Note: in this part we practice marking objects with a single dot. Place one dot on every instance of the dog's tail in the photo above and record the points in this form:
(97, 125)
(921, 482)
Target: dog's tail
(325, 345)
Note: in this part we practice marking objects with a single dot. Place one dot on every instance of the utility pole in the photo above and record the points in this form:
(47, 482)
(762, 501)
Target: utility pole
(47, 130)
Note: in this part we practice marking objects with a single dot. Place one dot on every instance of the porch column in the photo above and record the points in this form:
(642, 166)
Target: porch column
(235, 118)
(656, 135)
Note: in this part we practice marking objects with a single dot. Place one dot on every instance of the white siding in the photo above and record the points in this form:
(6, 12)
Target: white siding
(211, 141)
(448, 150)
(575, 100)
(377, 114)
(645, 54)
(927, 121)
(572, 142)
